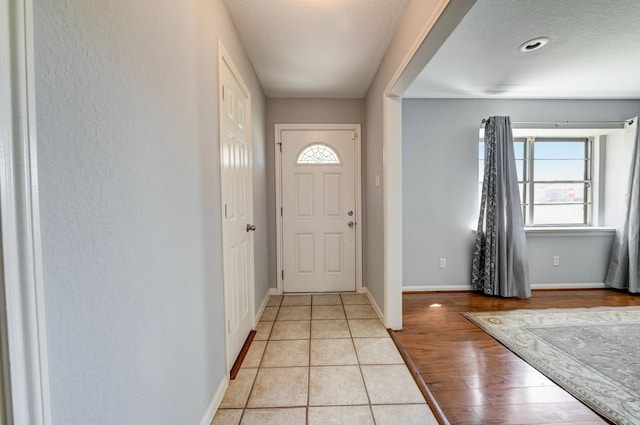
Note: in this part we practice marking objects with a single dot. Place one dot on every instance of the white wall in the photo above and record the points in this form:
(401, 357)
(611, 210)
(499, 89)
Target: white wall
(302, 111)
(619, 151)
(440, 184)
(130, 205)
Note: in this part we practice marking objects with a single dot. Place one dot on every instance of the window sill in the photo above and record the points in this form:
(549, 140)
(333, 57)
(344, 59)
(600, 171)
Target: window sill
(569, 231)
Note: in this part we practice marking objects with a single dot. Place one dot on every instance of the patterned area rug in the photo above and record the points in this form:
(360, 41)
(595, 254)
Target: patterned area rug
(593, 353)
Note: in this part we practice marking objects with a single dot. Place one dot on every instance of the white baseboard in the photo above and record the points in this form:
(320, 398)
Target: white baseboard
(593, 285)
(374, 304)
(271, 291)
(215, 401)
(435, 288)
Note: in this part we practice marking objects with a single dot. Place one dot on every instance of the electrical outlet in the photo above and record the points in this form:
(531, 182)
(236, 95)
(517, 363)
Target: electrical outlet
(443, 263)
(556, 261)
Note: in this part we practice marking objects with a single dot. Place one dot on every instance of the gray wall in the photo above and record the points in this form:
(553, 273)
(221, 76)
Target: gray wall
(440, 184)
(302, 111)
(128, 161)
(417, 14)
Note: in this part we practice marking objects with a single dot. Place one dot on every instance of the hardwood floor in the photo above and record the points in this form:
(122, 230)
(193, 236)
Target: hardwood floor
(476, 380)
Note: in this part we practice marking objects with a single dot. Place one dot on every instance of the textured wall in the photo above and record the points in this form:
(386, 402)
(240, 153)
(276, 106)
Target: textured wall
(418, 12)
(440, 188)
(130, 205)
(303, 111)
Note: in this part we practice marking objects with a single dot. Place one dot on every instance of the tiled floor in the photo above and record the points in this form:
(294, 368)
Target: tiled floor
(322, 359)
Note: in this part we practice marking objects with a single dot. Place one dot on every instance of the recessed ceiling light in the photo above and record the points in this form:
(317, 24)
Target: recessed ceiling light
(534, 44)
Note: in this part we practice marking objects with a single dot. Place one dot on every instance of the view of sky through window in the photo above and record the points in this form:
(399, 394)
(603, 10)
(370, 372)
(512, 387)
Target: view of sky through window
(554, 180)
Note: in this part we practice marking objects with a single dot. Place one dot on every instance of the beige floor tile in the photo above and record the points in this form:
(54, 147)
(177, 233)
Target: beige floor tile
(354, 299)
(286, 354)
(332, 352)
(407, 414)
(323, 312)
(336, 386)
(340, 415)
(227, 417)
(254, 355)
(367, 328)
(359, 311)
(280, 387)
(377, 351)
(274, 300)
(391, 384)
(263, 330)
(238, 390)
(295, 416)
(291, 300)
(291, 329)
(269, 314)
(294, 313)
(326, 299)
(329, 329)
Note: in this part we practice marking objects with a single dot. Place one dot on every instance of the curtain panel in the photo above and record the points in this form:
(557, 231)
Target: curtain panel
(624, 264)
(500, 264)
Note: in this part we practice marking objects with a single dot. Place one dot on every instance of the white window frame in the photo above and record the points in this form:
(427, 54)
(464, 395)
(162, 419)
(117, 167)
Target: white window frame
(529, 182)
(596, 172)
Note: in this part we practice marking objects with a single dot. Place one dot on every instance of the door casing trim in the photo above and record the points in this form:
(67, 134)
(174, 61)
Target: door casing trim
(279, 128)
(25, 346)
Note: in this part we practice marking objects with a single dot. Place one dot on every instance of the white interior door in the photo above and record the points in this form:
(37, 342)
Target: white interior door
(237, 208)
(318, 210)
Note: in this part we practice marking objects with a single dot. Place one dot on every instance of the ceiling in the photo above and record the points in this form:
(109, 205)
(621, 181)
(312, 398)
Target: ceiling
(316, 48)
(593, 52)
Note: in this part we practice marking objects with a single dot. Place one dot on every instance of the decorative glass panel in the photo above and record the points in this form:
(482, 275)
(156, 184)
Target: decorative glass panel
(318, 154)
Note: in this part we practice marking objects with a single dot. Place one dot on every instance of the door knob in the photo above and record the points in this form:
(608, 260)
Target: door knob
(251, 227)
(350, 213)
(350, 224)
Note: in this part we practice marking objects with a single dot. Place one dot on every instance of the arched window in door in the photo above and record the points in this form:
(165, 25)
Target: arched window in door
(318, 154)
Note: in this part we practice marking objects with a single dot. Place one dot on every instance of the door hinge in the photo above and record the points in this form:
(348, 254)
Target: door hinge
(281, 212)
(282, 274)
(355, 135)
(225, 210)
(223, 92)
(280, 146)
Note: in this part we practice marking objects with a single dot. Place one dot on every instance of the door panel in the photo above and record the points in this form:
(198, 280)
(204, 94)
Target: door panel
(304, 196)
(332, 196)
(318, 192)
(236, 188)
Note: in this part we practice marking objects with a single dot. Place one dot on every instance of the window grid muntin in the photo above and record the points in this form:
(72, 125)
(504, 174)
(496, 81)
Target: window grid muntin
(318, 153)
(587, 182)
(528, 183)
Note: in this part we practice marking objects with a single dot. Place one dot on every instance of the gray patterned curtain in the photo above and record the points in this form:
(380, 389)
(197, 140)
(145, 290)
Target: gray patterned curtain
(500, 264)
(624, 265)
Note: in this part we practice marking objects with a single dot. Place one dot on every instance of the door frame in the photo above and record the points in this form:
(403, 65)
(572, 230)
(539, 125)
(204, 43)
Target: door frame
(224, 60)
(24, 344)
(279, 128)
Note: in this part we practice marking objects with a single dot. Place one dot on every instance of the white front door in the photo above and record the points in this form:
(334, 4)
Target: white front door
(237, 208)
(318, 210)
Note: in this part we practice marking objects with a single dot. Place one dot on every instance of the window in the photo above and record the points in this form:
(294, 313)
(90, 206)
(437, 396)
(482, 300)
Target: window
(318, 154)
(554, 178)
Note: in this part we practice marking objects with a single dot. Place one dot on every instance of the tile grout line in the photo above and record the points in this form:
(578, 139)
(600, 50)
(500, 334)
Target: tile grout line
(246, 404)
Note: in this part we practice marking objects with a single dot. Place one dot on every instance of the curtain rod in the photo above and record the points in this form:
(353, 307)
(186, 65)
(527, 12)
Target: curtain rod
(557, 123)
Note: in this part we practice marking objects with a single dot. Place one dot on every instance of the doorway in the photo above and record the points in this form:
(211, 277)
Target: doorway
(318, 208)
